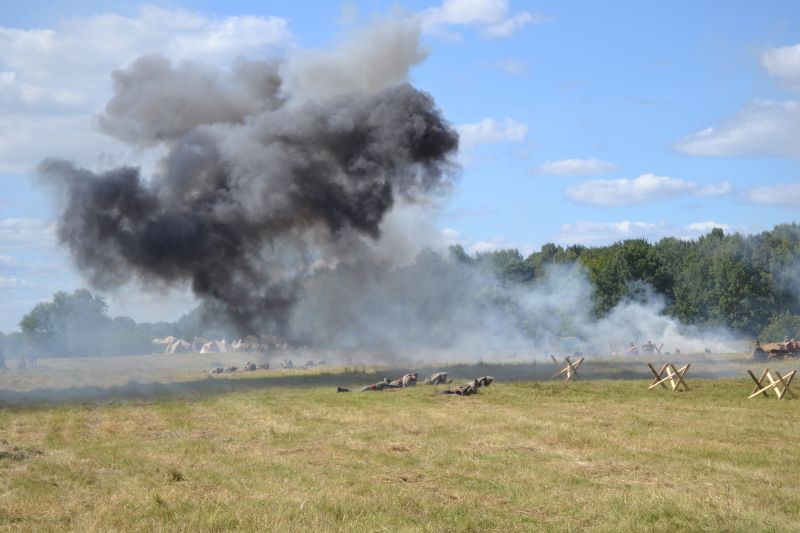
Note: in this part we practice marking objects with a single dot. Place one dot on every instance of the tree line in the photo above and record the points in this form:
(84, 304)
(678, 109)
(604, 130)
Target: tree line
(750, 284)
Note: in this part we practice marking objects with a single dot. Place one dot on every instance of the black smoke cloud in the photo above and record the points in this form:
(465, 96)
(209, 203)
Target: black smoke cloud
(255, 188)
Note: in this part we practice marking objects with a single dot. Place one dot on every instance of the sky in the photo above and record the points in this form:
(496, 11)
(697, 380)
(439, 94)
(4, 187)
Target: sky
(580, 122)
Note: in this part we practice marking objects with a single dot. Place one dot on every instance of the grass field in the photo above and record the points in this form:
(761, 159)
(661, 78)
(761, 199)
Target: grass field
(281, 451)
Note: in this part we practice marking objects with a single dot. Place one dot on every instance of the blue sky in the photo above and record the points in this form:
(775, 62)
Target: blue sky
(581, 122)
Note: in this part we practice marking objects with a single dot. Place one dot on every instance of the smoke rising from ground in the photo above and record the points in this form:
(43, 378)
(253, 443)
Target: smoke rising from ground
(465, 312)
(294, 196)
(270, 169)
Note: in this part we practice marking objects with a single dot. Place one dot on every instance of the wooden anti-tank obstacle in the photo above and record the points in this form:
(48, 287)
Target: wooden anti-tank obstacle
(570, 370)
(772, 381)
(669, 373)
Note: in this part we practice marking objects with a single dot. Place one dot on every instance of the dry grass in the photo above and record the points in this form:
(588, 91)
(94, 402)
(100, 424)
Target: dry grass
(265, 454)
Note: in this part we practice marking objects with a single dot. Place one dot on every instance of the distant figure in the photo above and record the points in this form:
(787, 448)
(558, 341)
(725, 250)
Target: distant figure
(408, 380)
(249, 366)
(463, 390)
(216, 370)
(381, 385)
(485, 381)
(439, 378)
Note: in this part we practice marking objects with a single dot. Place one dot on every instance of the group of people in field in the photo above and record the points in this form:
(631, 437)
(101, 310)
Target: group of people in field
(438, 378)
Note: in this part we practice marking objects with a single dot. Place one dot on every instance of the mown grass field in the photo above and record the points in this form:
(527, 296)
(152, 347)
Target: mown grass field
(281, 451)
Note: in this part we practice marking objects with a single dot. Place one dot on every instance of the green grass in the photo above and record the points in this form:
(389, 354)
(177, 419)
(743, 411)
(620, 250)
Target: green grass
(269, 452)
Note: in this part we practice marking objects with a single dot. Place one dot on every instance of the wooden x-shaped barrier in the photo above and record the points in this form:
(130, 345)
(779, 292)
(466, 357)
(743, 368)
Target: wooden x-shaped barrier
(671, 374)
(780, 384)
(570, 370)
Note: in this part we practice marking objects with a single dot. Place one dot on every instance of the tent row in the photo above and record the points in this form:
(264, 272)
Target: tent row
(202, 345)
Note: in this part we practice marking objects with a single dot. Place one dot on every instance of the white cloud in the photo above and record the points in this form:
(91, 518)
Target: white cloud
(576, 167)
(509, 25)
(7, 261)
(763, 127)
(602, 233)
(81, 48)
(722, 189)
(13, 283)
(53, 80)
(788, 194)
(645, 188)
(704, 227)
(513, 67)
(450, 236)
(491, 17)
(490, 131)
(784, 63)
(26, 233)
(488, 246)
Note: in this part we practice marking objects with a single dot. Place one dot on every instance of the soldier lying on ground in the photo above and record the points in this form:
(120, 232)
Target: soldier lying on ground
(407, 380)
(439, 378)
(463, 390)
(485, 381)
(381, 385)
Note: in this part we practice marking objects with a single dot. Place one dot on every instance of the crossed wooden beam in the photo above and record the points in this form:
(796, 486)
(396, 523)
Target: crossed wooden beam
(669, 373)
(780, 384)
(570, 370)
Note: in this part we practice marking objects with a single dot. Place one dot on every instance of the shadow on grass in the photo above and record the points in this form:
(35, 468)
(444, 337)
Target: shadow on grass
(221, 384)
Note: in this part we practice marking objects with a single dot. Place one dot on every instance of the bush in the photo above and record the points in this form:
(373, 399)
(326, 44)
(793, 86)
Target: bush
(781, 326)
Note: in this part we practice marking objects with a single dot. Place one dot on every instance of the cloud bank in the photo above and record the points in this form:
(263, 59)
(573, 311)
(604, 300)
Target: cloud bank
(761, 128)
(53, 79)
(576, 167)
(646, 188)
(603, 233)
(491, 17)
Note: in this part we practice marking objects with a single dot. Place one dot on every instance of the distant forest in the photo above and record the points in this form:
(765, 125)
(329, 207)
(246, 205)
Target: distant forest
(750, 284)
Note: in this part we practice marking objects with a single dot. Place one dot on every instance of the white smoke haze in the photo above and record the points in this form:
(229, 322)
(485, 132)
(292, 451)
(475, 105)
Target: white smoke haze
(375, 56)
(454, 311)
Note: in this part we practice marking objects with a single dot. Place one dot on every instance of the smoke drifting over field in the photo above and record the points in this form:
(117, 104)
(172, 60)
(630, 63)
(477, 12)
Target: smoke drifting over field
(294, 196)
(270, 168)
(464, 312)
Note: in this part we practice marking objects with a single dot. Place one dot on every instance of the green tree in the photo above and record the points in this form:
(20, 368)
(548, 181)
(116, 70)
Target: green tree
(67, 325)
(507, 265)
(781, 326)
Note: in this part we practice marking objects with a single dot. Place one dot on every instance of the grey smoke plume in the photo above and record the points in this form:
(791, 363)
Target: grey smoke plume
(258, 184)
